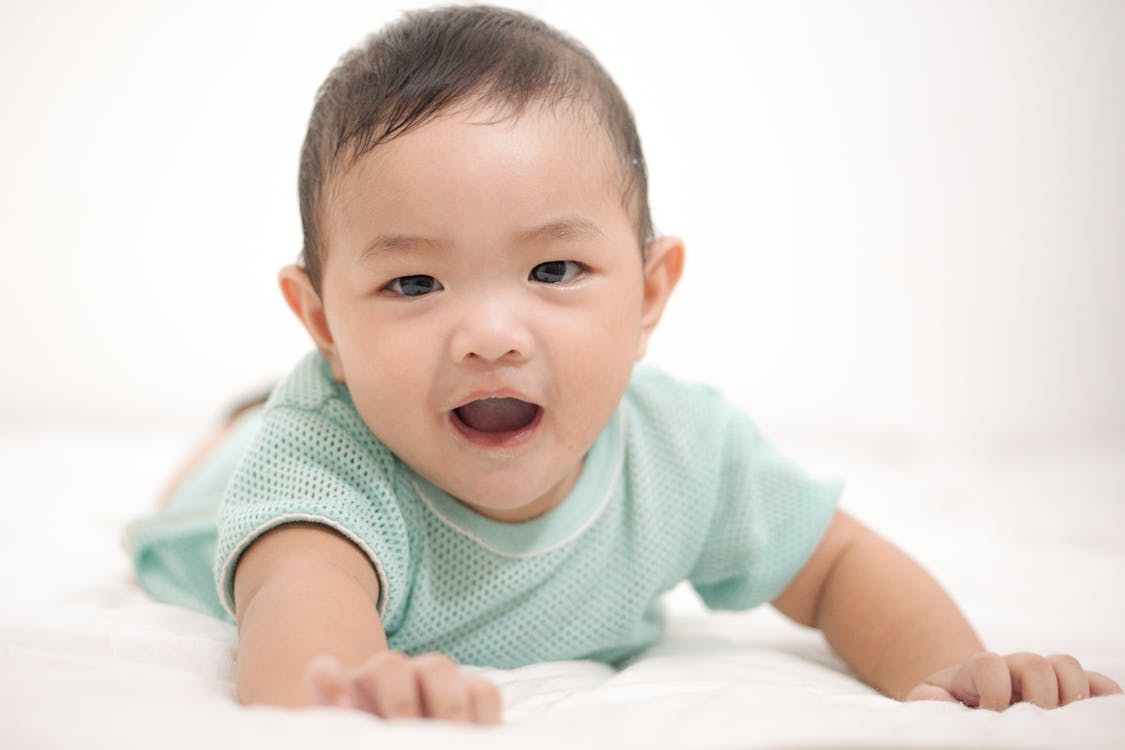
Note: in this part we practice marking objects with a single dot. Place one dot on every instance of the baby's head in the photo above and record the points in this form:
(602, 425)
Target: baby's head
(434, 61)
(479, 266)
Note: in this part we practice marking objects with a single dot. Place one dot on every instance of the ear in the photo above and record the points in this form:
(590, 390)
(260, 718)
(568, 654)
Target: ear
(663, 267)
(297, 288)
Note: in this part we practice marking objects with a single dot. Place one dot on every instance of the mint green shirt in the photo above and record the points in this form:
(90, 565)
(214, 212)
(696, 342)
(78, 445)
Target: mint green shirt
(680, 485)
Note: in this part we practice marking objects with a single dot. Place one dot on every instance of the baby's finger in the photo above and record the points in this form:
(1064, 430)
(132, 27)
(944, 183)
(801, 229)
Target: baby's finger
(1073, 684)
(984, 681)
(1102, 685)
(324, 678)
(1033, 680)
(442, 686)
(388, 683)
(484, 700)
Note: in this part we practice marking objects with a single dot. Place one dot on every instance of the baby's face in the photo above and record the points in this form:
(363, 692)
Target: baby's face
(484, 292)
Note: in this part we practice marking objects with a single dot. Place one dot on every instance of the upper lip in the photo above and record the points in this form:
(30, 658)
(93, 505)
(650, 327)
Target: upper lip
(493, 393)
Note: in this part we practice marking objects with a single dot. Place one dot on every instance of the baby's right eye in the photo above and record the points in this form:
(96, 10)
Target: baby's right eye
(414, 286)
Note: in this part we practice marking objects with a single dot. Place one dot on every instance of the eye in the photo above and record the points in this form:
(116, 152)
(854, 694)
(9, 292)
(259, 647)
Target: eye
(414, 286)
(556, 271)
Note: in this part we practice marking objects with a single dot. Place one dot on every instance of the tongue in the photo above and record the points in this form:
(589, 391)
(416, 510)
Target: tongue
(497, 414)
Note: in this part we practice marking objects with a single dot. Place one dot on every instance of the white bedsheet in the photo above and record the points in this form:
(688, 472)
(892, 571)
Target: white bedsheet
(1029, 544)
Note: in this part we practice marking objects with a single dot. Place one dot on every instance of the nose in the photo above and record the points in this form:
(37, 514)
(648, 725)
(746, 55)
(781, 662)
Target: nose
(492, 328)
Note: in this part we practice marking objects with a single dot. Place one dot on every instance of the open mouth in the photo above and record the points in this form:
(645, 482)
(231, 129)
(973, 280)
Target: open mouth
(494, 421)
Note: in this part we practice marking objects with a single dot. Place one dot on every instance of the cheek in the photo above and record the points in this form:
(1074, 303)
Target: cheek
(597, 357)
(380, 359)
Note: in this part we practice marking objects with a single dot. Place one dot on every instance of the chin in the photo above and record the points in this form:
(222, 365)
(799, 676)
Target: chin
(498, 504)
(502, 501)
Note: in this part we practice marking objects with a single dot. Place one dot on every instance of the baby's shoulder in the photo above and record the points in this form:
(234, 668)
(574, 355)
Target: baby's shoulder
(656, 393)
(310, 418)
(308, 386)
(309, 392)
(665, 414)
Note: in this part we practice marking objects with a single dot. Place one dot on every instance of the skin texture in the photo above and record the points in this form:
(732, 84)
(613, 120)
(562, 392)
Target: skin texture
(475, 201)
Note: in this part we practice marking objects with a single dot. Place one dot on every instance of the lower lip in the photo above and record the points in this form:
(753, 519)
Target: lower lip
(512, 439)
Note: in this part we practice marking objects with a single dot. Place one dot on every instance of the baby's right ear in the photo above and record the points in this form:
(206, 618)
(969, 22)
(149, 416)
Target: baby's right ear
(297, 288)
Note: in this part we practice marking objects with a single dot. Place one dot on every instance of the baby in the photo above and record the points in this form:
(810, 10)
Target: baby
(472, 468)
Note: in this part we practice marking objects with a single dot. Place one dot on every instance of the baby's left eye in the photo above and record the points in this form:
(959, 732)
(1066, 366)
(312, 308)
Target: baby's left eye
(556, 271)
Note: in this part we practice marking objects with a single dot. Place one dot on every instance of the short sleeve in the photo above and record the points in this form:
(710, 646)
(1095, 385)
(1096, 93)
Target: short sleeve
(304, 466)
(769, 519)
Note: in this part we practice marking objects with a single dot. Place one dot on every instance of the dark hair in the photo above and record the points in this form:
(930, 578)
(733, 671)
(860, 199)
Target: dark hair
(429, 60)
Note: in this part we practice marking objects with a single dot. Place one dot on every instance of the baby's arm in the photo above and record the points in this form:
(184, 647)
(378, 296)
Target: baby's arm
(900, 632)
(309, 633)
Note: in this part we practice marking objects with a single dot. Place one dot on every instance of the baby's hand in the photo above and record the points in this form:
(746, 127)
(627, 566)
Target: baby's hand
(395, 686)
(995, 682)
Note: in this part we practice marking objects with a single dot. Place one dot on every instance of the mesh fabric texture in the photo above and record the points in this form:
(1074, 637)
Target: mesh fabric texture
(680, 485)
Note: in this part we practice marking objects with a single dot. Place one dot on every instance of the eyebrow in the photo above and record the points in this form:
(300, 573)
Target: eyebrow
(572, 227)
(400, 243)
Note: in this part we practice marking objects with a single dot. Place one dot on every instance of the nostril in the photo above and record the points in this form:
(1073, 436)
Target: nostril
(487, 356)
(490, 338)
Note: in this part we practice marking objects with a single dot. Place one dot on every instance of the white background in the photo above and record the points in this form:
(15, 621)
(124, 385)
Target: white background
(904, 221)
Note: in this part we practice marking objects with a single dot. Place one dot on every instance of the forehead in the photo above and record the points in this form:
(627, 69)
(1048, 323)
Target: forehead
(477, 168)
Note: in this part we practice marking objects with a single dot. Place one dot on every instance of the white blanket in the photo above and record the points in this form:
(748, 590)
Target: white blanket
(1029, 545)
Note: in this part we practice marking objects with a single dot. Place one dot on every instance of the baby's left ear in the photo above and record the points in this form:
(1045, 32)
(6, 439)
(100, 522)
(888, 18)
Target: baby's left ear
(664, 263)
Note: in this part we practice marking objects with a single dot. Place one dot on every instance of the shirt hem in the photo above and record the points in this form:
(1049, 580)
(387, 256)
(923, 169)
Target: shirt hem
(226, 573)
